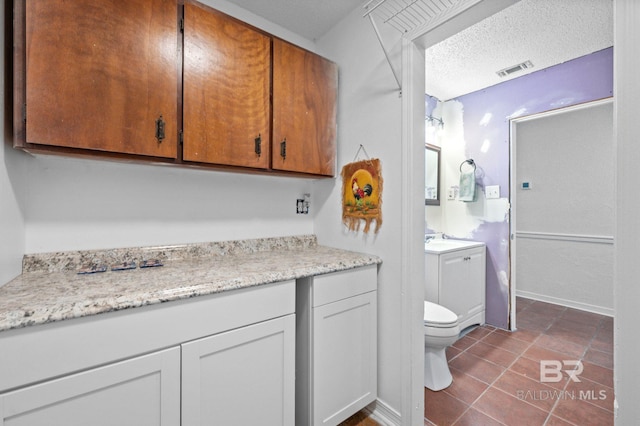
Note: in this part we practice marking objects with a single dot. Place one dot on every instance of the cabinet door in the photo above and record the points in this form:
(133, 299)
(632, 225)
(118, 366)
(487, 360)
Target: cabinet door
(100, 73)
(226, 90)
(344, 358)
(476, 267)
(140, 391)
(462, 282)
(305, 90)
(241, 377)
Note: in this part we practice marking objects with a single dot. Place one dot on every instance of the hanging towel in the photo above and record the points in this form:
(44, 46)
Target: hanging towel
(467, 186)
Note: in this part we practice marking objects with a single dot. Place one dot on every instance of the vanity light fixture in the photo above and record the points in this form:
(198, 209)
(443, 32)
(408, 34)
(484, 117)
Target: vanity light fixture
(434, 121)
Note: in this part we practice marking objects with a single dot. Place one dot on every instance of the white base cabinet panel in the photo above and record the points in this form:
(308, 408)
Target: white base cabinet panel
(336, 358)
(241, 377)
(457, 281)
(137, 392)
(344, 356)
(224, 359)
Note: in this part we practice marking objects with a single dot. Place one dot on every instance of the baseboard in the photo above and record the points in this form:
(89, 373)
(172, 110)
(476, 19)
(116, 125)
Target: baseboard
(382, 413)
(564, 302)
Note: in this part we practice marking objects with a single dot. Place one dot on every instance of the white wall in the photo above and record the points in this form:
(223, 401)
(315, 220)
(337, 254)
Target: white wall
(565, 222)
(627, 267)
(74, 204)
(369, 113)
(453, 217)
(11, 178)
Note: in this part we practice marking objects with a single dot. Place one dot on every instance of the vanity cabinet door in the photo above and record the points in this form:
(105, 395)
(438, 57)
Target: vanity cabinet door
(99, 74)
(136, 392)
(241, 377)
(462, 283)
(227, 70)
(305, 88)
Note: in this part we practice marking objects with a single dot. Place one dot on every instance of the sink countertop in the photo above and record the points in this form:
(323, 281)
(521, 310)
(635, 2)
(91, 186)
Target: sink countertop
(50, 289)
(439, 246)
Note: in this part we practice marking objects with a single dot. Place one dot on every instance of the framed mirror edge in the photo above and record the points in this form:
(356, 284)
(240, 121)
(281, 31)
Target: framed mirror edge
(434, 201)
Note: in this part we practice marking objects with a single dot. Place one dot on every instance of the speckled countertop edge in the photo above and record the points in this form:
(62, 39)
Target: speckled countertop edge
(49, 293)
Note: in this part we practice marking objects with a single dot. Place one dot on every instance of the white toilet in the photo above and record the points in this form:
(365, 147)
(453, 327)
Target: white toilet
(441, 329)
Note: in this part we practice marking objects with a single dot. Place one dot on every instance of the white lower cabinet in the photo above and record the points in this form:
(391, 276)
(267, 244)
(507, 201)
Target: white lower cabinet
(229, 360)
(136, 392)
(241, 377)
(336, 358)
(457, 281)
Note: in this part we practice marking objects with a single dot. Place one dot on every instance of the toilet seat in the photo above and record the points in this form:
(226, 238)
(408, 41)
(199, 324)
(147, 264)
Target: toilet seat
(438, 316)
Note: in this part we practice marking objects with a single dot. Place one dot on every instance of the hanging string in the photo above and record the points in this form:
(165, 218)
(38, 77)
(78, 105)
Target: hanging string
(361, 148)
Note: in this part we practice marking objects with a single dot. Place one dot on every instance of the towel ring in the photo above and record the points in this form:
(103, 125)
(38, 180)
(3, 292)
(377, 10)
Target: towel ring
(470, 162)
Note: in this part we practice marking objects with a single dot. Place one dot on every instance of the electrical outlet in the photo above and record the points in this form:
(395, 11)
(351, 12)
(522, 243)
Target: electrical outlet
(492, 192)
(302, 204)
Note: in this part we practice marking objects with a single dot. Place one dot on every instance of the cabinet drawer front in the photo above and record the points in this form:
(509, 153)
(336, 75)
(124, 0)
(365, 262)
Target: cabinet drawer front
(341, 285)
(140, 391)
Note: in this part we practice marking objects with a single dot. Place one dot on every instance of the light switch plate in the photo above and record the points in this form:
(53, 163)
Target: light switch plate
(451, 193)
(492, 192)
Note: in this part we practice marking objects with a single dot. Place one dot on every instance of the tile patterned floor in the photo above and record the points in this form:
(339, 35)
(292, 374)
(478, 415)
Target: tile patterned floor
(497, 378)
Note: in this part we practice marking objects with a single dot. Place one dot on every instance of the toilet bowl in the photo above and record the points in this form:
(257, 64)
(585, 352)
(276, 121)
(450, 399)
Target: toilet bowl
(441, 329)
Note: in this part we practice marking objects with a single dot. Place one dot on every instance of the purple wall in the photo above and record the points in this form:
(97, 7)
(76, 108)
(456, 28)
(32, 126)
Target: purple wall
(581, 80)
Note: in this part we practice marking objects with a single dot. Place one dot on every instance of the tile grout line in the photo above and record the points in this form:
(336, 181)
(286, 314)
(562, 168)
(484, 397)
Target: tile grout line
(557, 319)
(490, 385)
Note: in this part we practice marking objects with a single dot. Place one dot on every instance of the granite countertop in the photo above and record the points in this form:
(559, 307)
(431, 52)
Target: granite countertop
(50, 288)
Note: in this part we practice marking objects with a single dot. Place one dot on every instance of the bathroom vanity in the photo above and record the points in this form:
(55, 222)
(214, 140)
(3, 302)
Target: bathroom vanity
(455, 273)
(210, 336)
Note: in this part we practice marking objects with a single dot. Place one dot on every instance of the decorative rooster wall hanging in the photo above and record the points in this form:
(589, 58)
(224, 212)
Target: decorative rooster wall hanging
(362, 195)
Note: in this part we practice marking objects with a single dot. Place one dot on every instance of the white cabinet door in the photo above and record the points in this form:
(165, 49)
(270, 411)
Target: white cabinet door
(462, 283)
(135, 392)
(453, 281)
(241, 377)
(344, 358)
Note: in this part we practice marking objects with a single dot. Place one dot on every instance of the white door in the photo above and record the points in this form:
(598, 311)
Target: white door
(137, 392)
(241, 377)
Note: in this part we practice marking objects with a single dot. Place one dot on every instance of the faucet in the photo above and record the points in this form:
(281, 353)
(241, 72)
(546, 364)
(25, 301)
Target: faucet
(436, 236)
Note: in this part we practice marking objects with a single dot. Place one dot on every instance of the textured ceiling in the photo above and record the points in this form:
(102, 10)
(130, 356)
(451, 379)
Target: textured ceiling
(545, 32)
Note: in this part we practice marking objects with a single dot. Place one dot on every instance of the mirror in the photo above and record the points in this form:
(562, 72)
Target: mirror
(432, 175)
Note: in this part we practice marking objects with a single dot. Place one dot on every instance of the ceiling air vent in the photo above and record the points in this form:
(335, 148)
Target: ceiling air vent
(514, 69)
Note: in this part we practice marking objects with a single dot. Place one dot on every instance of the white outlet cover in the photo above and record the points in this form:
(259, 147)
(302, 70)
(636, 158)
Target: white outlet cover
(492, 192)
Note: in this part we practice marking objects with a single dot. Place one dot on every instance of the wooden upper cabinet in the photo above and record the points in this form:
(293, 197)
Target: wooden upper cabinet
(227, 67)
(305, 88)
(99, 74)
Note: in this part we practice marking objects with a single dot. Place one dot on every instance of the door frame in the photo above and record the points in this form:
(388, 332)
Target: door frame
(513, 190)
